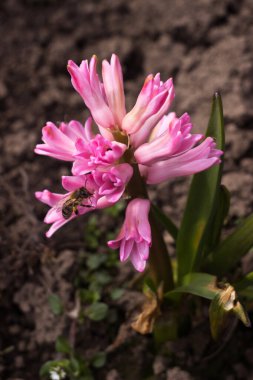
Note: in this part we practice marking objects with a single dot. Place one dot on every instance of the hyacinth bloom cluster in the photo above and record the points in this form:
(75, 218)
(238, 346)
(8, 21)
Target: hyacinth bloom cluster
(159, 143)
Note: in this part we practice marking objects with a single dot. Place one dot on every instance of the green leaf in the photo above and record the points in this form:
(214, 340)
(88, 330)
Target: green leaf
(199, 284)
(117, 293)
(79, 369)
(97, 311)
(101, 278)
(99, 360)
(62, 345)
(94, 261)
(75, 367)
(221, 212)
(165, 222)
(247, 293)
(55, 304)
(244, 287)
(52, 365)
(245, 282)
(236, 245)
(89, 295)
(200, 207)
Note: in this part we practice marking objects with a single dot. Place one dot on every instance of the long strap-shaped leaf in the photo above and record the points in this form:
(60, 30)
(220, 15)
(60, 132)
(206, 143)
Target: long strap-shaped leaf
(199, 284)
(236, 245)
(200, 205)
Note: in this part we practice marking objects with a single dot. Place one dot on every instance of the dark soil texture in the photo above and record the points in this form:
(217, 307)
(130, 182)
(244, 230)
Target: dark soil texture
(205, 45)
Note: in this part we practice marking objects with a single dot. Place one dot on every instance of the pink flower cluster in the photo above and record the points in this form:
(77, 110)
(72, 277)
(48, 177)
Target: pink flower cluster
(161, 144)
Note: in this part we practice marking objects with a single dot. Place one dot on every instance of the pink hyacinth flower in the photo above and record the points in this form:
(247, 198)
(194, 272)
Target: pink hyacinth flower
(152, 103)
(134, 239)
(171, 137)
(96, 152)
(106, 101)
(56, 201)
(60, 142)
(189, 162)
(111, 183)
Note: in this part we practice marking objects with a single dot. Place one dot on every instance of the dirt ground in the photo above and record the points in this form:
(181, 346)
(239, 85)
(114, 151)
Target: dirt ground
(204, 45)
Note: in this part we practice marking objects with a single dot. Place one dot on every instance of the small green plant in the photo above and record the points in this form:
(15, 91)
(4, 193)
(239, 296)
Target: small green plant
(205, 260)
(72, 366)
(132, 150)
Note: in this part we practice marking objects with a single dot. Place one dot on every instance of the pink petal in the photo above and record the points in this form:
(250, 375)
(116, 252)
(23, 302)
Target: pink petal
(75, 130)
(113, 86)
(125, 249)
(143, 250)
(171, 137)
(143, 133)
(55, 226)
(72, 183)
(54, 214)
(57, 144)
(138, 263)
(45, 150)
(80, 167)
(86, 82)
(48, 198)
(163, 171)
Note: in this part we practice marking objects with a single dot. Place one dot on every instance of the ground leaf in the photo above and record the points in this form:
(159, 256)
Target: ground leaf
(97, 311)
(99, 360)
(55, 304)
(117, 293)
(53, 365)
(62, 345)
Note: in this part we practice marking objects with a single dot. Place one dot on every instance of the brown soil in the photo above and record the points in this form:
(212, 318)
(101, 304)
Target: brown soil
(205, 45)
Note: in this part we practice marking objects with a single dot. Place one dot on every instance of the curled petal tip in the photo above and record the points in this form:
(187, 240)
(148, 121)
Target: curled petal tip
(70, 63)
(37, 194)
(148, 79)
(48, 234)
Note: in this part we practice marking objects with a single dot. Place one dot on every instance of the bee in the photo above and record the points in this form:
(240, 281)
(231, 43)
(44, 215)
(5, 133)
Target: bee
(74, 200)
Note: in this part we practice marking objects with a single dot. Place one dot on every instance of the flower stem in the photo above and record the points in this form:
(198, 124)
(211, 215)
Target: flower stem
(159, 260)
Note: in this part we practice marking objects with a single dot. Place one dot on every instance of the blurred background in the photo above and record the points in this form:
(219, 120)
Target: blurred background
(205, 45)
